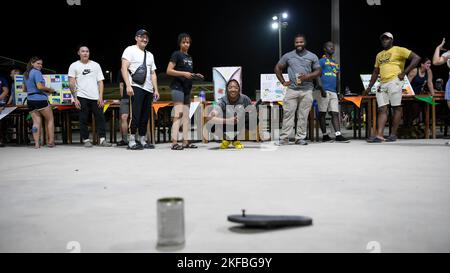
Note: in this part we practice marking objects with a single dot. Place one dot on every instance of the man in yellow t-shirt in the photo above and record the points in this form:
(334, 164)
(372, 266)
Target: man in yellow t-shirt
(390, 66)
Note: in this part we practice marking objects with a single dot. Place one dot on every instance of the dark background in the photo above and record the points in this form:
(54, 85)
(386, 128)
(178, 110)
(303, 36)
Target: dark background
(225, 33)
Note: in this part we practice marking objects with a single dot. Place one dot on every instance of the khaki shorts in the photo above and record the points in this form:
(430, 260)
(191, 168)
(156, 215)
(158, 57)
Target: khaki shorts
(330, 103)
(390, 93)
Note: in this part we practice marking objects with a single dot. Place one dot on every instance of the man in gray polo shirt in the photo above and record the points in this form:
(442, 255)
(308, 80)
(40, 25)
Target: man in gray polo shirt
(303, 67)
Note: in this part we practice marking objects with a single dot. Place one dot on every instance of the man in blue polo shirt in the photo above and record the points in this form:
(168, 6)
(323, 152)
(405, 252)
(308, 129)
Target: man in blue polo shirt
(329, 101)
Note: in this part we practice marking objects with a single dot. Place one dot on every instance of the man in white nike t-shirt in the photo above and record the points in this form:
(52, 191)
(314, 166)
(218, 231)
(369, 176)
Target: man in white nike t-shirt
(86, 84)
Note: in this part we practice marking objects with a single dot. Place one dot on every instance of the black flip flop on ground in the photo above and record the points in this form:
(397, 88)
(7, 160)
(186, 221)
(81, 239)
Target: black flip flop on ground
(270, 221)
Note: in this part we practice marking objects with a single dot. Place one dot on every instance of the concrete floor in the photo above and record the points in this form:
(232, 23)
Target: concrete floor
(397, 195)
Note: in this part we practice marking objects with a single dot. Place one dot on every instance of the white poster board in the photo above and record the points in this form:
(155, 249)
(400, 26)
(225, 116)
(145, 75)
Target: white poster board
(271, 88)
(193, 108)
(407, 88)
(4, 112)
(221, 75)
(59, 82)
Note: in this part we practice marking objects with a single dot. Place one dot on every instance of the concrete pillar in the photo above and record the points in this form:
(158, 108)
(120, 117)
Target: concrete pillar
(335, 29)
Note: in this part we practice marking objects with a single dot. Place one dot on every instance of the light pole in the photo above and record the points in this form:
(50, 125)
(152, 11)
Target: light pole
(109, 73)
(279, 22)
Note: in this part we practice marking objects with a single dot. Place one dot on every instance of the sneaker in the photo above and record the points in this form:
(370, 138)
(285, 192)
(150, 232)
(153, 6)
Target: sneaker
(88, 144)
(133, 144)
(282, 142)
(341, 139)
(2, 145)
(136, 146)
(105, 143)
(122, 143)
(224, 145)
(326, 138)
(448, 143)
(238, 145)
(148, 146)
(301, 142)
(144, 144)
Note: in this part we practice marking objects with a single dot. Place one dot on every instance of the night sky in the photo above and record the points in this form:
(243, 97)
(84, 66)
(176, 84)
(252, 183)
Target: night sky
(224, 33)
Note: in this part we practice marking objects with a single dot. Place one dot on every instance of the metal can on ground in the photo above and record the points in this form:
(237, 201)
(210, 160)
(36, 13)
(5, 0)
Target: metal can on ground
(170, 221)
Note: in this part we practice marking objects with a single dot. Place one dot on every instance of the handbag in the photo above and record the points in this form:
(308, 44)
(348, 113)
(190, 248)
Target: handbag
(140, 74)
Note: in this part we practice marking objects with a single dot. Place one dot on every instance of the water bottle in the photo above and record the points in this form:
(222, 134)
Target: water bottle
(202, 96)
(347, 91)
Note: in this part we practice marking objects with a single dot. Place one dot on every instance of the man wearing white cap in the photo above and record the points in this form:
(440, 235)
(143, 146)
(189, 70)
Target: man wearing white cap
(390, 66)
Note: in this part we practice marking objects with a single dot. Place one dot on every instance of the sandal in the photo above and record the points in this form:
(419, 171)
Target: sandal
(391, 139)
(375, 140)
(122, 143)
(177, 147)
(189, 146)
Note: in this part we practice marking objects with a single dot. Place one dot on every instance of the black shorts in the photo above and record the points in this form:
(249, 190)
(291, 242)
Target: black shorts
(124, 107)
(37, 105)
(180, 96)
